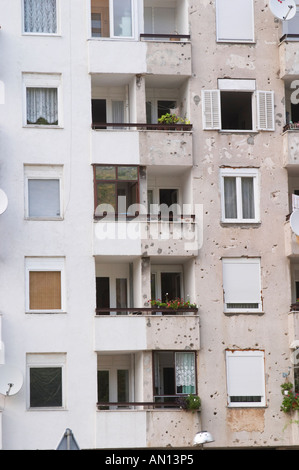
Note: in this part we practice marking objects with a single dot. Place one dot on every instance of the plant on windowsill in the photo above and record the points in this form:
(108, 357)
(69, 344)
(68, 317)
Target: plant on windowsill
(190, 402)
(290, 401)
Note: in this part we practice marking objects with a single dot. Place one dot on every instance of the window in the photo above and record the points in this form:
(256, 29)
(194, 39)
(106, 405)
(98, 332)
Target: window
(43, 192)
(116, 189)
(40, 16)
(239, 195)
(235, 20)
(113, 376)
(242, 284)
(111, 18)
(45, 285)
(164, 201)
(42, 100)
(157, 108)
(107, 111)
(166, 282)
(237, 106)
(245, 378)
(46, 380)
(174, 374)
(160, 20)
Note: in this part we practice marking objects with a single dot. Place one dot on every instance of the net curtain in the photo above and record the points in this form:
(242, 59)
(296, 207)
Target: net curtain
(185, 372)
(42, 106)
(40, 16)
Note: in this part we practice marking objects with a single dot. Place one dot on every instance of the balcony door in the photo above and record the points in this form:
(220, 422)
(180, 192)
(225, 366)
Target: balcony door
(166, 283)
(114, 377)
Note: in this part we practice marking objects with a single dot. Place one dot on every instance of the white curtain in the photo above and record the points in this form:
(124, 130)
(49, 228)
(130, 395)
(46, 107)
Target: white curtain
(40, 16)
(247, 198)
(42, 106)
(230, 197)
(185, 372)
(118, 112)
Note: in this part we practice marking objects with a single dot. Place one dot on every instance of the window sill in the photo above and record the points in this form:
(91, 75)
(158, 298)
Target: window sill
(45, 312)
(237, 131)
(57, 35)
(236, 41)
(240, 223)
(40, 126)
(246, 312)
(43, 219)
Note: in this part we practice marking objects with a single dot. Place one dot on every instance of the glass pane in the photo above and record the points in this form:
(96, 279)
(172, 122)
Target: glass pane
(121, 293)
(122, 18)
(106, 194)
(123, 386)
(103, 386)
(248, 198)
(42, 106)
(43, 198)
(45, 386)
(40, 16)
(96, 25)
(105, 172)
(230, 198)
(128, 173)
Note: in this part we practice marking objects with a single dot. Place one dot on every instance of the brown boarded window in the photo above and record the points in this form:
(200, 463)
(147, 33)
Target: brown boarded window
(45, 290)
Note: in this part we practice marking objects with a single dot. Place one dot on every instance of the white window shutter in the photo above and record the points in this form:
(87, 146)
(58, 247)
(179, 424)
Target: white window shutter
(235, 20)
(246, 374)
(241, 281)
(211, 109)
(265, 110)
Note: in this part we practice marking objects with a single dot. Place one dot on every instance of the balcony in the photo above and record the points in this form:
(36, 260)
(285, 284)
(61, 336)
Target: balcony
(291, 145)
(143, 329)
(289, 56)
(146, 428)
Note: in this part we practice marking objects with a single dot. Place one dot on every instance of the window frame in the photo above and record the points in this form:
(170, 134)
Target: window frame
(238, 174)
(46, 360)
(111, 23)
(156, 374)
(58, 23)
(115, 182)
(234, 40)
(262, 106)
(47, 81)
(242, 353)
(43, 172)
(258, 287)
(40, 265)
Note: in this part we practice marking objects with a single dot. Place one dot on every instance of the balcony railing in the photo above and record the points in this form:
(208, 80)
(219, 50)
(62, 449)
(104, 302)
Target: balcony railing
(285, 37)
(147, 311)
(141, 126)
(138, 404)
(170, 37)
(291, 126)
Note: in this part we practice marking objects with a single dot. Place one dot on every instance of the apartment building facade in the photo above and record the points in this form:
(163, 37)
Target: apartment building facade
(111, 208)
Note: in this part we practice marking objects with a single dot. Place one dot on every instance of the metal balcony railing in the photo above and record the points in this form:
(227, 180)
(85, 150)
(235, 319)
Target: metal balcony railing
(141, 126)
(176, 37)
(146, 311)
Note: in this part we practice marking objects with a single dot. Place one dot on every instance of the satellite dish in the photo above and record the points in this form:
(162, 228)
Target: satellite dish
(283, 9)
(11, 380)
(294, 222)
(3, 201)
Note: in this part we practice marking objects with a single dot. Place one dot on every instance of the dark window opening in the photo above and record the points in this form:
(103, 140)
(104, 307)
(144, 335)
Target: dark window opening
(45, 386)
(99, 111)
(170, 286)
(236, 110)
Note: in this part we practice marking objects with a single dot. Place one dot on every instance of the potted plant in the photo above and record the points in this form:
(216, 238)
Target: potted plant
(172, 118)
(290, 401)
(190, 402)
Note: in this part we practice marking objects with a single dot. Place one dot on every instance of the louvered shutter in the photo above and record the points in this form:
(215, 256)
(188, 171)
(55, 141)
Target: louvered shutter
(265, 110)
(211, 109)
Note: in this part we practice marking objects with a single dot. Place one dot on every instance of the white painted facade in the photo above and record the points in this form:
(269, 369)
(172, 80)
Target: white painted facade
(135, 356)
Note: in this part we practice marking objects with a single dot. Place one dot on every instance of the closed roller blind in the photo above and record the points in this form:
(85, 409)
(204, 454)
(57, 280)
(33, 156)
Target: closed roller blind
(235, 20)
(45, 290)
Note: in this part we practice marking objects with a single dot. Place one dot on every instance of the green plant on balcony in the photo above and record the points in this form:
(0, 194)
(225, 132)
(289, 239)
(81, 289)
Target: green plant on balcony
(169, 118)
(190, 402)
(290, 401)
(175, 304)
